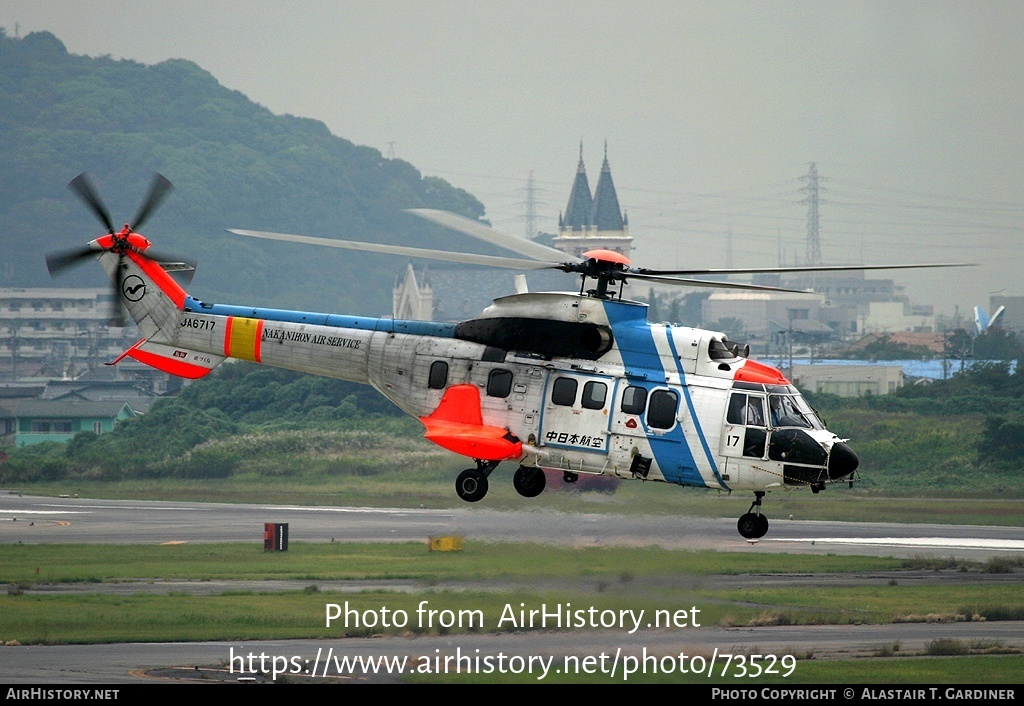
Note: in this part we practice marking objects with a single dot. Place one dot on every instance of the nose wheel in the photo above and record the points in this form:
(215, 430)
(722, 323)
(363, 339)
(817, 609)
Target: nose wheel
(753, 525)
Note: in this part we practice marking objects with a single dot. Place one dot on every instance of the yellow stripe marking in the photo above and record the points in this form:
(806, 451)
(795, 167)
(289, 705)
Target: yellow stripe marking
(244, 338)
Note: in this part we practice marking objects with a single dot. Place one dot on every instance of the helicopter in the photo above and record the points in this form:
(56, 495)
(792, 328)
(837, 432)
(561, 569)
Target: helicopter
(576, 382)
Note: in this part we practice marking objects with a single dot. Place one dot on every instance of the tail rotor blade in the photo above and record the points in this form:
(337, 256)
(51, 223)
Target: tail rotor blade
(117, 313)
(83, 187)
(158, 191)
(57, 262)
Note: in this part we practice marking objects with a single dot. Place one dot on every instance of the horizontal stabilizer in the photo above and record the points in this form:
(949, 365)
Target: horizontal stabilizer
(457, 425)
(170, 359)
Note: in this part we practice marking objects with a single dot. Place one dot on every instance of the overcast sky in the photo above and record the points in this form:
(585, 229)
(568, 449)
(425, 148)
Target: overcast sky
(712, 112)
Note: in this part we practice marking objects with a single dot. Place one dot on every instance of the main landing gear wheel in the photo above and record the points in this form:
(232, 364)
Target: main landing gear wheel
(529, 482)
(752, 526)
(471, 485)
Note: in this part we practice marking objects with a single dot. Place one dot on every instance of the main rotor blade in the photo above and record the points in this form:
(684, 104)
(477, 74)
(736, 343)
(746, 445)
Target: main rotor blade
(83, 187)
(510, 263)
(158, 191)
(806, 268)
(686, 282)
(57, 262)
(167, 260)
(487, 234)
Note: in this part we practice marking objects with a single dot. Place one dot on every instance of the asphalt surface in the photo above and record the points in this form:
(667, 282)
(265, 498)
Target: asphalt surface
(40, 519)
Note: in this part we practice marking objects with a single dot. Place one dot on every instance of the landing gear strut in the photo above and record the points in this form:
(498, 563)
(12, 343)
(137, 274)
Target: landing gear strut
(753, 525)
(529, 482)
(471, 485)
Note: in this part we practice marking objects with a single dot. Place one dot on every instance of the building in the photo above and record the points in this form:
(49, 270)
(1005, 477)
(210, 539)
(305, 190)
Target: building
(592, 222)
(411, 300)
(458, 292)
(1013, 316)
(897, 316)
(32, 421)
(56, 332)
(928, 343)
(48, 333)
(848, 380)
(765, 313)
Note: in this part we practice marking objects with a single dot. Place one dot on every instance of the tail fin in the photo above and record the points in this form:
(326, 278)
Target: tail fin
(153, 299)
(983, 321)
(156, 302)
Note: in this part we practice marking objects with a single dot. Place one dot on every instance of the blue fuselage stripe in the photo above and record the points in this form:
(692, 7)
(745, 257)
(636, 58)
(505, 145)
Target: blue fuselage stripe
(693, 411)
(641, 359)
(365, 323)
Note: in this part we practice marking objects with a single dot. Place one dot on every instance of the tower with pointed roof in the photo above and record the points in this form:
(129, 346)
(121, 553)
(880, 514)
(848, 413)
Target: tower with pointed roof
(592, 222)
(412, 300)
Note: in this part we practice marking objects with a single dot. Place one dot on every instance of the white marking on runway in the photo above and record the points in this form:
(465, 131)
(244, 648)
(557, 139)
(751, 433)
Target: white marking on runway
(127, 507)
(924, 542)
(45, 512)
(360, 510)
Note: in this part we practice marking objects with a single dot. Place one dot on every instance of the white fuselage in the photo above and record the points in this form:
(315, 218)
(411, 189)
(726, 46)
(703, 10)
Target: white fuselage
(657, 393)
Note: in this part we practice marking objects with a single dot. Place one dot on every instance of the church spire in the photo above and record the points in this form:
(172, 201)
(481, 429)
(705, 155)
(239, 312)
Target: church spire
(593, 222)
(605, 212)
(578, 210)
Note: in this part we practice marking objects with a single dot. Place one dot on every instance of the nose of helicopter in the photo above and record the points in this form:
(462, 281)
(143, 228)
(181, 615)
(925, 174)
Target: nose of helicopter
(842, 461)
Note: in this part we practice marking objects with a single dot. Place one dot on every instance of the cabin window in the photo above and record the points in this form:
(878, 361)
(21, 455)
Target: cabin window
(661, 414)
(438, 378)
(594, 394)
(499, 383)
(634, 399)
(563, 392)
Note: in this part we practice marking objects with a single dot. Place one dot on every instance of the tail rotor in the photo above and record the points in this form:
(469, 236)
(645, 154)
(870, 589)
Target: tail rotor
(120, 242)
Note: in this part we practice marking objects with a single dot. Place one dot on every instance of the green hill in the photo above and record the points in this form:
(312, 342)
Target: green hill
(234, 165)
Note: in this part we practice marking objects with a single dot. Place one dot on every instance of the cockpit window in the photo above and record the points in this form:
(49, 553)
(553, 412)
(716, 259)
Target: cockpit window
(792, 411)
(809, 414)
(746, 409)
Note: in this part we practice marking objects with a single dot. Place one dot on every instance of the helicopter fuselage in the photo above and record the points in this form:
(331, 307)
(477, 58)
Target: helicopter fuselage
(651, 401)
(554, 381)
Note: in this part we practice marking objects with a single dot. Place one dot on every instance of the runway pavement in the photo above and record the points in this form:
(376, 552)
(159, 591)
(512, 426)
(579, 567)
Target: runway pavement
(40, 519)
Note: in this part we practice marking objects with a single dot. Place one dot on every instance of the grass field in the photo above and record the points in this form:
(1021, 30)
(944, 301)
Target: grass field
(483, 578)
(481, 581)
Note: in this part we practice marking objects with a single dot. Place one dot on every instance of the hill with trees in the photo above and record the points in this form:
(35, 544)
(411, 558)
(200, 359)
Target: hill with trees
(234, 165)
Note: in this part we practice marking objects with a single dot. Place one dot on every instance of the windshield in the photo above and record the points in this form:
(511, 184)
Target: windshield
(792, 411)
